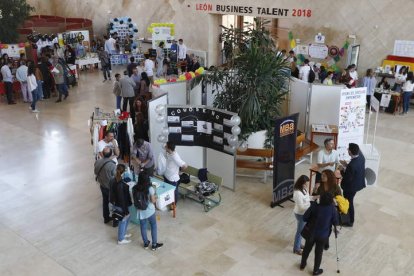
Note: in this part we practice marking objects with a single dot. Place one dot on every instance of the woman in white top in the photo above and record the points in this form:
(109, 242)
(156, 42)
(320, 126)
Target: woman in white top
(400, 78)
(302, 203)
(32, 87)
(407, 89)
(174, 164)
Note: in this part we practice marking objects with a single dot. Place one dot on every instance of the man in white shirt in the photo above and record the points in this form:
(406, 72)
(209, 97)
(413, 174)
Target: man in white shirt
(110, 142)
(21, 76)
(327, 159)
(149, 66)
(182, 54)
(8, 81)
(174, 163)
(353, 74)
(110, 44)
(304, 71)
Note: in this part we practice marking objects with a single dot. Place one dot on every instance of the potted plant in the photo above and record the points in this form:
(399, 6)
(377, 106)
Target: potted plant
(254, 80)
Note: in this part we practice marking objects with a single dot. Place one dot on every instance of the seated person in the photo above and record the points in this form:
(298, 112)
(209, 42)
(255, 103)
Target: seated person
(110, 142)
(327, 159)
(328, 184)
(384, 84)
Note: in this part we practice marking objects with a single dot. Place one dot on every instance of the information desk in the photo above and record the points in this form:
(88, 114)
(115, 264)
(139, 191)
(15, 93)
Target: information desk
(165, 196)
(325, 130)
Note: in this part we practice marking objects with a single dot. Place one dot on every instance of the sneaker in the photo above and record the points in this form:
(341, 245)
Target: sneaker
(156, 246)
(124, 241)
(30, 108)
(35, 111)
(104, 80)
(318, 272)
(147, 245)
(128, 235)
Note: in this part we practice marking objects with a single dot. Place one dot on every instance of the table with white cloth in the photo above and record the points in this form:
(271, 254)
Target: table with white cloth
(87, 61)
(164, 192)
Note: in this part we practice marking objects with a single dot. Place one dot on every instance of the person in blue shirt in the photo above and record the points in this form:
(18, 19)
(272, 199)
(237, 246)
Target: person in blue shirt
(321, 217)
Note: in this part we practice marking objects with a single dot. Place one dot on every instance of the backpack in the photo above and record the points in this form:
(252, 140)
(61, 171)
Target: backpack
(206, 188)
(311, 77)
(343, 204)
(140, 199)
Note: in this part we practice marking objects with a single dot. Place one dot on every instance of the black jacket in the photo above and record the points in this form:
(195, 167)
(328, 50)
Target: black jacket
(119, 195)
(354, 177)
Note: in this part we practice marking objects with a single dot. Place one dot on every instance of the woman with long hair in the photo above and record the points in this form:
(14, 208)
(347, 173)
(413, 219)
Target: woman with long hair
(323, 216)
(328, 184)
(160, 59)
(302, 203)
(369, 82)
(145, 188)
(121, 199)
(400, 79)
(144, 87)
(407, 89)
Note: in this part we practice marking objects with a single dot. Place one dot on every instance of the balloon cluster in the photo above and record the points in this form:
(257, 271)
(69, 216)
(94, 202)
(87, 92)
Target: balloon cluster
(161, 116)
(184, 77)
(120, 24)
(233, 140)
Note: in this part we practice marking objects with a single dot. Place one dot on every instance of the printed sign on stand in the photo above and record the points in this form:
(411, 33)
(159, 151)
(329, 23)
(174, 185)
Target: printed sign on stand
(319, 51)
(284, 159)
(351, 119)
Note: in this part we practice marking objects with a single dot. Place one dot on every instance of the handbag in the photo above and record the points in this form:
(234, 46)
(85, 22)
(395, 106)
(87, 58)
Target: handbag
(307, 230)
(117, 215)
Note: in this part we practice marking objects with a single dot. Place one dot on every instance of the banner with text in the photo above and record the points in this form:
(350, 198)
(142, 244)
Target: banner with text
(251, 10)
(351, 119)
(284, 158)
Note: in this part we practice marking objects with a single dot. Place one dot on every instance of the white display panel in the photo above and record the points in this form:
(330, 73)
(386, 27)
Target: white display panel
(196, 95)
(155, 127)
(193, 156)
(176, 91)
(324, 104)
(298, 101)
(223, 165)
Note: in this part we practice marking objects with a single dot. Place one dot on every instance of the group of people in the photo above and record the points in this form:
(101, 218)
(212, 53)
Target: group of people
(113, 179)
(37, 81)
(317, 209)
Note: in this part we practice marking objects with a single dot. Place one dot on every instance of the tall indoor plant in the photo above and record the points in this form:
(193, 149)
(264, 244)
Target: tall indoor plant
(254, 80)
(12, 14)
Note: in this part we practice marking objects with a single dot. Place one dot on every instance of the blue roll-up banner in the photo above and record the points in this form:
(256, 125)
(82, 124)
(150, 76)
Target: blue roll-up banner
(284, 159)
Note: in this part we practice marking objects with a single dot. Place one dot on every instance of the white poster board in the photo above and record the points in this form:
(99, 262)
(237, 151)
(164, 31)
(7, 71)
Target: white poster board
(319, 51)
(385, 100)
(74, 37)
(298, 101)
(196, 95)
(155, 127)
(223, 165)
(13, 50)
(161, 34)
(351, 119)
(176, 92)
(404, 48)
(302, 49)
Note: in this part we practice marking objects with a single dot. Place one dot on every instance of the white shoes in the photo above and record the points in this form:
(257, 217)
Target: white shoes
(35, 111)
(124, 241)
(128, 235)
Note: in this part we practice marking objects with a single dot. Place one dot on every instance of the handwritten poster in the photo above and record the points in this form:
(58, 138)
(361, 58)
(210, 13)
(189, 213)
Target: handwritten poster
(319, 51)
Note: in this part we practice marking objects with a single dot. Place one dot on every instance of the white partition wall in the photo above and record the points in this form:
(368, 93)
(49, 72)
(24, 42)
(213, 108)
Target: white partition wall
(324, 105)
(155, 127)
(196, 95)
(298, 101)
(223, 165)
(177, 92)
(192, 155)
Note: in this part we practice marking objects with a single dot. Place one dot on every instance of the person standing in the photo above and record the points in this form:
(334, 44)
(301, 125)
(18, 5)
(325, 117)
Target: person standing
(131, 66)
(353, 74)
(105, 63)
(120, 197)
(128, 95)
(407, 89)
(353, 179)
(149, 67)
(160, 59)
(174, 163)
(328, 79)
(304, 71)
(182, 54)
(39, 80)
(148, 215)
(70, 55)
(58, 73)
(110, 142)
(369, 82)
(32, 87)
(144, 87)
(400, 78)
(47, 77)
(302, 203)
(8, 79)
(143, 155)
(117, 91)
(322, 216)
(104, 170)
(174, 51)
(136, 77)
(21, 76)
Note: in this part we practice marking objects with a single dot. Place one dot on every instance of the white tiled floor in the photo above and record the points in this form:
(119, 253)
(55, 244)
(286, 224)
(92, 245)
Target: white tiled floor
(50, 208)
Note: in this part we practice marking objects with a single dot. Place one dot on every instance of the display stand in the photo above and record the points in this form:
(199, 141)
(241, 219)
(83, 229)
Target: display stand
(370, 152)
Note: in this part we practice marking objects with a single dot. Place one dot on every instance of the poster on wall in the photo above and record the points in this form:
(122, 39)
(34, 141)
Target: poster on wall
(319, 51)
(162, 34)
(404, 48)
(74, 37)
(12, 50)
(284, 159)
(200, 126)
(302, 49)
(351, 119)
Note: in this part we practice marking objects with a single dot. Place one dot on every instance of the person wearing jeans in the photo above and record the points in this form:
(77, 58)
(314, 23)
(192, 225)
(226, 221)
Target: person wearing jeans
(121, 199)
(302, 203)
(407, 89)
(105, 63)
(8, 81)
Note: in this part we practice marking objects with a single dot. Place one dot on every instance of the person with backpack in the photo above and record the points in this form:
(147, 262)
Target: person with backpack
(173, 165)
(120, 197)
(320, 218)
(144, 199)
(306, 73)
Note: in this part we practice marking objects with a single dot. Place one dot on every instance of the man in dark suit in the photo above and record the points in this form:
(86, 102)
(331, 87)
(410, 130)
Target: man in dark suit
(353, 178)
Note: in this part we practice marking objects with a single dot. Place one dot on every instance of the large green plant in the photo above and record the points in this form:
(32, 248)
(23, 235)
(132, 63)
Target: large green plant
(12, 14)
(254, 80)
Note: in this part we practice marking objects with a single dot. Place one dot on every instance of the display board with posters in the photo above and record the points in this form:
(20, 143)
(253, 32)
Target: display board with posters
(12, 50)
(202, 126)
(319, 51)
(351, 119)
(284, 158)
(162, 32)
(75, 37)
